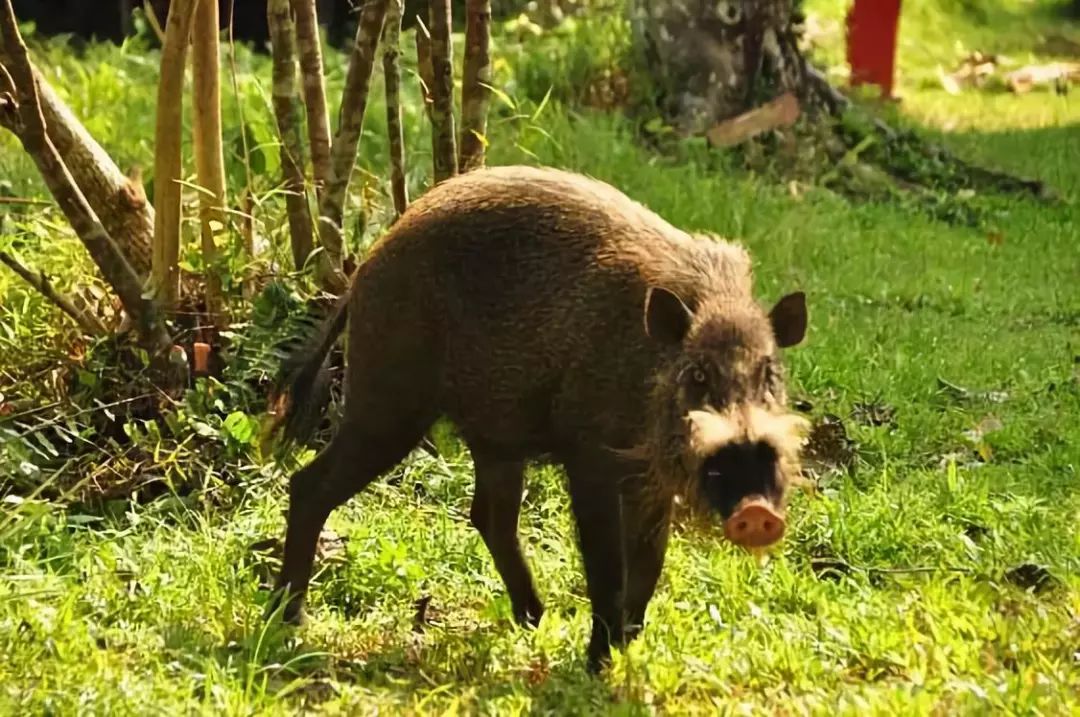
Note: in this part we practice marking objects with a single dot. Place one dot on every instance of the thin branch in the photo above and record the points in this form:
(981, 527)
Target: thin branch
(247, 225)
(423, 64)
(152, 18)
(26, 200)
(37, 279)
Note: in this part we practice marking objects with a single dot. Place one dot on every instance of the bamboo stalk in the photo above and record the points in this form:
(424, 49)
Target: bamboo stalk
(391, 44)
(167, 155)
(343, 150)
(444, 151)
(476, 79)
(314, 87)
(287, 112)
(209, 153)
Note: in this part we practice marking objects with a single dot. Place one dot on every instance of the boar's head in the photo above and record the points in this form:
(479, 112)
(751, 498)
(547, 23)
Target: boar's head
(721, 437)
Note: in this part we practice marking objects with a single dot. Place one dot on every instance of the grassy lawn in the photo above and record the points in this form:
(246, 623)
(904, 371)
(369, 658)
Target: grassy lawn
(951, 355)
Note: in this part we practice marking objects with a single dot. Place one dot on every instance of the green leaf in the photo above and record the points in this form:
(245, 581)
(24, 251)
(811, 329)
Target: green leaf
(239, 426)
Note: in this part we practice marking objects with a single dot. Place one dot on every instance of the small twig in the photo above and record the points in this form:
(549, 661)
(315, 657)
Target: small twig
(155, 24)
(84, 411)
(26, 200)
(37, 279)
(844, 565)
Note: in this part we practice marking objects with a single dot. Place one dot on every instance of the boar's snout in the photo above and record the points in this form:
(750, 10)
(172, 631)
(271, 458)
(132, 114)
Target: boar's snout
(755, 523)
(742, 474)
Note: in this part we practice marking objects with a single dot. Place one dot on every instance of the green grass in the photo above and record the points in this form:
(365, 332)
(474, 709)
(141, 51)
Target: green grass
(155, 607)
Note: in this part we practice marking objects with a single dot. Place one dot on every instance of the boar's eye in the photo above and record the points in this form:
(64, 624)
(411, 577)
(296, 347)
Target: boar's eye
(699, 376)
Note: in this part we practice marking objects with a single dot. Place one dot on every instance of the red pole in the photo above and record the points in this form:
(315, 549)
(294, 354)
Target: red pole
(871, 42)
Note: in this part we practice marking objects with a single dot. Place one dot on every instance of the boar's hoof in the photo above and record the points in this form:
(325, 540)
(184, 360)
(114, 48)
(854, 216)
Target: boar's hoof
(293, 612)
(529, 617)
(754, 524)
(597, 662)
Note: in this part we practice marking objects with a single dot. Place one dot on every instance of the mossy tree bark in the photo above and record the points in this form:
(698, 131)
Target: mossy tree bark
(714, 59)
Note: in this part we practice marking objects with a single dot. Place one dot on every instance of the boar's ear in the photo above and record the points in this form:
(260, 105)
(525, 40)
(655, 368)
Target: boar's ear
(788, 319)
(666, 317)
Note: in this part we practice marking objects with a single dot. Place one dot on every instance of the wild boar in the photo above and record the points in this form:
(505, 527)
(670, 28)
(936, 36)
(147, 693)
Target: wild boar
(548, 316)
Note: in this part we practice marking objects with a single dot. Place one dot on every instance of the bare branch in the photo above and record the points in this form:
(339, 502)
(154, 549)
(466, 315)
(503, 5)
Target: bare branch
(37, 279)
(423, 64)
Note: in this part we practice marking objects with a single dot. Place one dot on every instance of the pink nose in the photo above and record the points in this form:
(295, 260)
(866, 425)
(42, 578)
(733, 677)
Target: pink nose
(754, 524)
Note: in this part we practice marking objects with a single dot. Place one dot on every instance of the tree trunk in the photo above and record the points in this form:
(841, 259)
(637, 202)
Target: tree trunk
(346, 141)
(713, 60)
(311, 68)
(168, 162)
(209, 154)
(287, 112)
(117, 200)
(443, 143)
(391, 47)
(476, 75)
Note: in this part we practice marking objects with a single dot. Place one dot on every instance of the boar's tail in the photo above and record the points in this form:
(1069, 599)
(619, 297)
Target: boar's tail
(302, 388)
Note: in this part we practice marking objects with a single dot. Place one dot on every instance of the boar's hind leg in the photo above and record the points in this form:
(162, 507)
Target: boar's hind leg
(594, 497)
(356, 456)
(495, 509)
(647, 522)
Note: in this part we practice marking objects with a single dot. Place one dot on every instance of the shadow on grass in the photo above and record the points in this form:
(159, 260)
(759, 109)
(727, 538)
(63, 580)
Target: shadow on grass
(407, 668)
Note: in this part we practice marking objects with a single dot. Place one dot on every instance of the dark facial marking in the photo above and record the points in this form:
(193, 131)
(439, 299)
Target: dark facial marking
(737, 471)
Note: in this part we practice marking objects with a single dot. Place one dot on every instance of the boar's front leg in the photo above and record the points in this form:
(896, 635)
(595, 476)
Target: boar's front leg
(646, 521)
(594, 497)
(495, 509)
